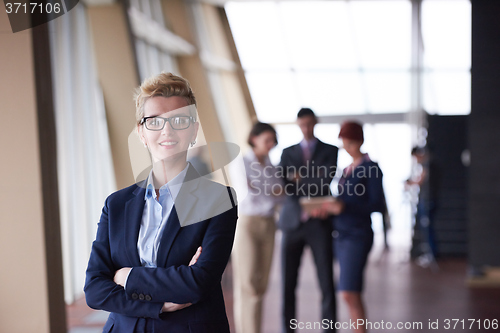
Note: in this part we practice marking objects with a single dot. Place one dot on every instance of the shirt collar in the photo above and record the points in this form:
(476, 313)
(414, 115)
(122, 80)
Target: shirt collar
(311, 143)
(173, 186)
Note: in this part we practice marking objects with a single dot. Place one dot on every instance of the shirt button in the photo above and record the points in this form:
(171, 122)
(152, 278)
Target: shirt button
(149, 246)
(158, 209)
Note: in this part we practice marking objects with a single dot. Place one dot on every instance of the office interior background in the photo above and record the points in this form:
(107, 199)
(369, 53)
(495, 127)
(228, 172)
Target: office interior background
(414, 72)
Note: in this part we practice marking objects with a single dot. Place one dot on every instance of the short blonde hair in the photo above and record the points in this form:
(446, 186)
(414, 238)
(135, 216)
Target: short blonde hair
(165, 85)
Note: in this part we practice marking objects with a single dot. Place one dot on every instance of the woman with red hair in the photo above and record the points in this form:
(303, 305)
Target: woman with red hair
(360, 194)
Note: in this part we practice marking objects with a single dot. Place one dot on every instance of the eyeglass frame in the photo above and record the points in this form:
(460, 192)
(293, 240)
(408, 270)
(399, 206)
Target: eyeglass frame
(167, 120)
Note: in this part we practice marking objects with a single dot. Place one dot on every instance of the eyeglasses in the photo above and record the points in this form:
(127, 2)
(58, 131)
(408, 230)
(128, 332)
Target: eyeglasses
(157, 123)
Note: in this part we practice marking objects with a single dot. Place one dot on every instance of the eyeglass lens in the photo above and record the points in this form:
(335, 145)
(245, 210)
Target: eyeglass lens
(177, 123)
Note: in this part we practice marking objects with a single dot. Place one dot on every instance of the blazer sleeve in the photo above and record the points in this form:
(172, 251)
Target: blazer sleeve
(101, 292)
(286, 165)
(190, 284)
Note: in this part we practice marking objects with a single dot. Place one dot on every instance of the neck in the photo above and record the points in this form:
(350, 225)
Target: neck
(260, 156)
(357, 158)
(164, 171)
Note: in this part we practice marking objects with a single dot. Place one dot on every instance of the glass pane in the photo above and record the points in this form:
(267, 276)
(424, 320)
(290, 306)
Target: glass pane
(146, 7)
(287, 135)
(153, 60)
(258, 35)
(447, 92)
(140, 48)
(323, 38)
(168, 63)
(382, 33)
(446, 29)
(135, 4)
(390, 145)
(274, 95)
(388, 92)
(157, 12)
(330, 93)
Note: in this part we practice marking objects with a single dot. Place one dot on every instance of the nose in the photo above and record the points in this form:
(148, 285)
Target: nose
(167, 129)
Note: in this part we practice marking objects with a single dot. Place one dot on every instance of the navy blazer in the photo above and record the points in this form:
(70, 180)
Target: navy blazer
(318, 175)
(362, 192)
(173, 280)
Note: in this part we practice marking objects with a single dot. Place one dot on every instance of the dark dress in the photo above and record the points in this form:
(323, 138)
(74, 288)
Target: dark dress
(362, 193)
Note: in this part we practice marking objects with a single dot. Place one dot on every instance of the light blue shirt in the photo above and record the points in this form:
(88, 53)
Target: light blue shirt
(155, 216)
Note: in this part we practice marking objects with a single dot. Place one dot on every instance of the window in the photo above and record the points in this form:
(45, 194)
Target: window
(375, 59)
(153, 42)
(353, 57)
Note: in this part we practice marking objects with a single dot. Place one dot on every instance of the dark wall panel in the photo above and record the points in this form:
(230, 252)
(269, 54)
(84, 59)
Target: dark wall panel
(484, 136)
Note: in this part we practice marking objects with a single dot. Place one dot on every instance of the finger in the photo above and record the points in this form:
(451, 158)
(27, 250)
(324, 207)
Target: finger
(195, 257)
(186, 305)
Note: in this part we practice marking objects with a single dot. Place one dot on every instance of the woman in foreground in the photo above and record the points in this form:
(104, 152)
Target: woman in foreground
(162, 244)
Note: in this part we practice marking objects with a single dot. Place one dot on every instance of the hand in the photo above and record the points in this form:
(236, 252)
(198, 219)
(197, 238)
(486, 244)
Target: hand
(171, 307)
(195, 257)
(335, 207)
(294, 176)
(319, 213)
(121, 276)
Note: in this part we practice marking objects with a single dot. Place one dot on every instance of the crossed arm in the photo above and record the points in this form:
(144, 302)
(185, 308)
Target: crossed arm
(171, 288)
(121, 277)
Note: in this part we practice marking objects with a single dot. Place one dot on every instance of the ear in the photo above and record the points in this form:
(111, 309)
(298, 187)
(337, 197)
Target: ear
(140, 132)
(196, 128)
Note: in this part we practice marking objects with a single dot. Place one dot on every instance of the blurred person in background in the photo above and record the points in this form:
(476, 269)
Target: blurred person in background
(254, 239)
(308, 169)
(360, 194)
(427, 180)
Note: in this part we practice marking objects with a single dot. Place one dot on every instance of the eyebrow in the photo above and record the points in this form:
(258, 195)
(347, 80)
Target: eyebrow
(168, 114)
(181, 109)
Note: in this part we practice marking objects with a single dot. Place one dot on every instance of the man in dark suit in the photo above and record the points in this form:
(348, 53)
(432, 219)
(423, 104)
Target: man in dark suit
(308, 169)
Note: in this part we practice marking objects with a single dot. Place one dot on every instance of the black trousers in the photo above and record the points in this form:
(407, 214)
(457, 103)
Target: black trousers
(317, 234)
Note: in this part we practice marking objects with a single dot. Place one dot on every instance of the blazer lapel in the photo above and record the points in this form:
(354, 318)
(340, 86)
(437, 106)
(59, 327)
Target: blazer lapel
(133, 216)
(167, 239)
(298, 155)
(317, 150)
(183, 204)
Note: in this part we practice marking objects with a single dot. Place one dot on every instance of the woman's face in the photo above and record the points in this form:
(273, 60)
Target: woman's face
(167, 144)
(352, 147)
(264, 142)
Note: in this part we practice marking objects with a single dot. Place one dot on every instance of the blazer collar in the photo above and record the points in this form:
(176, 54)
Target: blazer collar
(134, 208)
